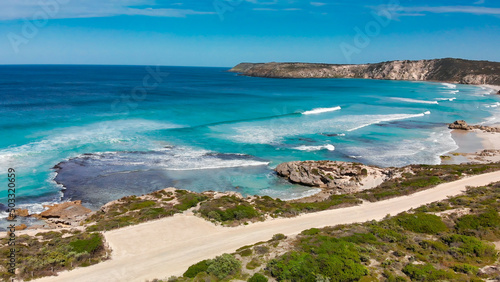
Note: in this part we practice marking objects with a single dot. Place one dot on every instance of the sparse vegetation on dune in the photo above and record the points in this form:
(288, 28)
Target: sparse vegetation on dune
(398, 248)
(50, 252)
(434, 242)
(133, 209)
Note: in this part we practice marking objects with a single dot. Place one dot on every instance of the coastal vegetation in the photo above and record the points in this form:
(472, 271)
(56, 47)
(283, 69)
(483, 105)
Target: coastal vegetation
(447, 240)
(133, 209)
(47, 253)
(408, 246)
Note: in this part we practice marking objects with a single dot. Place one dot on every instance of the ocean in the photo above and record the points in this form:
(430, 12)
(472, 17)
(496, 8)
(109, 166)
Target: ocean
(97, 133)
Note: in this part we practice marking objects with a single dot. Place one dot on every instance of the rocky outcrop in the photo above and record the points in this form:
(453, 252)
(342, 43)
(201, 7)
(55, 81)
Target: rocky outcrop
(444, 70)
(341, 177)
(462, 125)
(66, 213)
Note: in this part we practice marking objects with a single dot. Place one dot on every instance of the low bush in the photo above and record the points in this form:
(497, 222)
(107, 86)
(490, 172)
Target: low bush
(194, 269)
(224, 266)
(421, 223)
(426, 272)
(257, 277)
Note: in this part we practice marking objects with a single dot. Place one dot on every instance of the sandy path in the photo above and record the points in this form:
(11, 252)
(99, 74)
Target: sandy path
(159, 249)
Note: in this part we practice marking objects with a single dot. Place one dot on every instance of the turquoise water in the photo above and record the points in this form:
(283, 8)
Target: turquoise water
(118, 132)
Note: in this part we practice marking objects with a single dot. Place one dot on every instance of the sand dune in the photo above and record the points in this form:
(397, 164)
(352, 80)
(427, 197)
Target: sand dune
(159, 249)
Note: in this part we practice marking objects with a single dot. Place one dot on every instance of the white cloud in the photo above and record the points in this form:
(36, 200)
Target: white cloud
(21, 9)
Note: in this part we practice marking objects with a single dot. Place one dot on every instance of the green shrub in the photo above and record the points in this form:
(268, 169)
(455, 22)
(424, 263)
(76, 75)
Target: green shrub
(422, 182)
(425, 272)
(257, 277)
(224, 266)
(486, 220)
(320, 255)
(194, 269)
(278, 237)
(465, 268)
(246, 252)
(253, 264)
(188, 200)
(312, 231)
(142, 205)
(467, 246)
(361, 238)
(421, 223)
(87, 245)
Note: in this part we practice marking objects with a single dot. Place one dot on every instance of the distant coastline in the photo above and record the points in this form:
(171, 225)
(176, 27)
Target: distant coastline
(448, 70)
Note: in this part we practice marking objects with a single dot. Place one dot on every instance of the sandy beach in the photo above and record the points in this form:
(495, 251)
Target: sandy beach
(493, 87)
(159, 249)
(472, 143)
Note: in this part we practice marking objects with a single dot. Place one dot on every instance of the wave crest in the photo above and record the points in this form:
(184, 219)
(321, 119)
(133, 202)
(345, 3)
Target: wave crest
(321, 110)
(328, 147)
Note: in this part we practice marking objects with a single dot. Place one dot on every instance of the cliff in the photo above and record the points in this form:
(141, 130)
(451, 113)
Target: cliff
(443, 70)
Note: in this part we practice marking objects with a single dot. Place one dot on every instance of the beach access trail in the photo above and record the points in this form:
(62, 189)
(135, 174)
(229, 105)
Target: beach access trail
(166, 247)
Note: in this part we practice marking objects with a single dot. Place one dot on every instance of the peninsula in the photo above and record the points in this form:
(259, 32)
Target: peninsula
(443, 70)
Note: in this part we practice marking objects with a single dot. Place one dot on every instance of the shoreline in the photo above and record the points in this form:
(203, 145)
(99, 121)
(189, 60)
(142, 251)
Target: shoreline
(471, 144)
(494, 88)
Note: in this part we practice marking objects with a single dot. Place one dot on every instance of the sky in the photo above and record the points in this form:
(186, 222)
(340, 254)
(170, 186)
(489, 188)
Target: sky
(226, 32)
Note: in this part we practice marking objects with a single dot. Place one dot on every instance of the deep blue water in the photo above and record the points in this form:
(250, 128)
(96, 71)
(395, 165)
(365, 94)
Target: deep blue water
(126, 131)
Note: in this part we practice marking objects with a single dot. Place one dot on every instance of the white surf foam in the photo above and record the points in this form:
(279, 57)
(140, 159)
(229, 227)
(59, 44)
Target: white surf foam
(426, 150)
(496, 105)
(109, 133)
(414, 100)
(177, 158)
(379, 119)
(446, 99)
(450, 85)
(328, 147)
(267, 132)
(321, 110)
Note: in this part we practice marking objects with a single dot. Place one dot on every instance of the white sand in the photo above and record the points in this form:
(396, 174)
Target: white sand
(159, 249)
(493, 87)
(489, 140)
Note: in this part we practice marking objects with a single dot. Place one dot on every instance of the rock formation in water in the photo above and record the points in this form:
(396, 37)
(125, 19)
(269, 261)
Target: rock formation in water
(442, 70)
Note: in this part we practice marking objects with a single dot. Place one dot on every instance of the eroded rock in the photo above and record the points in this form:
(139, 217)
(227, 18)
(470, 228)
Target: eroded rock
(462, 125)
(342, 177)
(65, 213)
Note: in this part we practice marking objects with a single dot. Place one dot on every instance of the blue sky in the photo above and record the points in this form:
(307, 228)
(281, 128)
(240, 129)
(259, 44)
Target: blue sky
(226, 32)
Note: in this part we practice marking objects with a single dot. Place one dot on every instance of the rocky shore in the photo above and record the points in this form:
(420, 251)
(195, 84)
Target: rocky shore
(336, 177)
(443, 70)
(462, 125)
(65, 214)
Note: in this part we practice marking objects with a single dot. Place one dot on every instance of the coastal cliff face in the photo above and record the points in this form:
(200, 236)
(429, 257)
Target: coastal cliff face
(444, 70)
